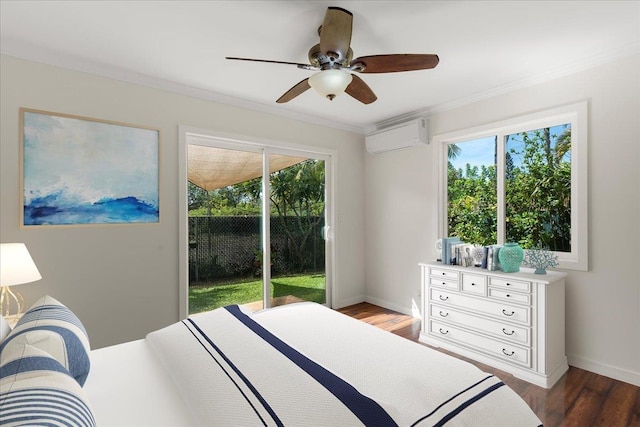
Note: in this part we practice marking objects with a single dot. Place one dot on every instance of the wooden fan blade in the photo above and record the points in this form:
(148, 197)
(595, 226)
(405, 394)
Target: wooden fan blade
(294, 91)
(270, 61)
(394, 63)
(335, 35)
(360, 90)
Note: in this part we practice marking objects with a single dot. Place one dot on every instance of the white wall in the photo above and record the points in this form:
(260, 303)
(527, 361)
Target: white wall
(122, 280)
(603, 304)
(398, 202)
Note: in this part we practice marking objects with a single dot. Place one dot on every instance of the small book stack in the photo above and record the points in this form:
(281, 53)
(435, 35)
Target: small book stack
(457, 252)
(493, 263)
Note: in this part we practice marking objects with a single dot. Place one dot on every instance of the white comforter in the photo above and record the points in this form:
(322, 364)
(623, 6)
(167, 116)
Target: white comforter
(306, 365)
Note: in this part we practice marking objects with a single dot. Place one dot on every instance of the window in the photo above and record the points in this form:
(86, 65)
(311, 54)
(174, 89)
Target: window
(521, 180)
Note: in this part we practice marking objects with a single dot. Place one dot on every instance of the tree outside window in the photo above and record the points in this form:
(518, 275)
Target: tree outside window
(538, 188)
(536, 172)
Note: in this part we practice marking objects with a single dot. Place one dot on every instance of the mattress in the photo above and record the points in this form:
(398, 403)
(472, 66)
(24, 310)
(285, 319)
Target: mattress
(296, 365)
(129, 387)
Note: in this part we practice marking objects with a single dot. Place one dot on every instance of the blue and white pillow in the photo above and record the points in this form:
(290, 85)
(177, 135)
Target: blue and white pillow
(35, 389)
(53, 328)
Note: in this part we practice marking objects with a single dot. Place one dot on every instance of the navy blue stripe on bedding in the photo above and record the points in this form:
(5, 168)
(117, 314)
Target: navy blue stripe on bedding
(256, 393)
(460, 408)
(363, 407)
(450, 399)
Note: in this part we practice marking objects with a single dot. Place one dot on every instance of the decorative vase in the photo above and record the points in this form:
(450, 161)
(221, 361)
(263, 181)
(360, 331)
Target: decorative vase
(510, 256)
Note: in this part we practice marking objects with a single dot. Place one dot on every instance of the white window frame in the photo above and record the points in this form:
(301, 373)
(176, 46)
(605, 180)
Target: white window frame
(576, 115)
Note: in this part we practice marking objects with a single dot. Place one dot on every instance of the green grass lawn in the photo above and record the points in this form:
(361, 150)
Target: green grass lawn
(204, 298)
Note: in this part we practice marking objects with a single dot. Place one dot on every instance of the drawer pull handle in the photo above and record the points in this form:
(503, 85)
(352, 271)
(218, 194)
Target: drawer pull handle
(444, 274)
(508, 354)
(508, 284)
(473, 284)
(444, 283)
(443, 314)
(445, 332)
(508, 314)
(443, 299)
(508, 296)
(504, 331)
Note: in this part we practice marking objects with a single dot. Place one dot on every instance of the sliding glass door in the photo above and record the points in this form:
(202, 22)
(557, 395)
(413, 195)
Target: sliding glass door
(297, 224)
(225, 211)
(248, 249)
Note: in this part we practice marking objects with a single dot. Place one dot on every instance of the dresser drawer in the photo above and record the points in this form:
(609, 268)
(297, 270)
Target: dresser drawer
(505, 330)
(510, 296)
(510, 284)
(444, 274)
(511, 321)
(474, 284)
(444, 283)
(495, 348)
(498, 309)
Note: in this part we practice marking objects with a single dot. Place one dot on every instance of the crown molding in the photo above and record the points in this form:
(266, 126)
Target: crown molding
(592, 61)
(43, 56)
(37, 54)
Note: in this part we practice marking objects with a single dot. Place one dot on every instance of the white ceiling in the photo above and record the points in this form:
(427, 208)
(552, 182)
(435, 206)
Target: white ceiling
(485, 48)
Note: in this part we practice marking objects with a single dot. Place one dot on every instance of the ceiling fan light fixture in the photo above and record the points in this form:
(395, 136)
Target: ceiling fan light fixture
(330, 83)
(334, 57)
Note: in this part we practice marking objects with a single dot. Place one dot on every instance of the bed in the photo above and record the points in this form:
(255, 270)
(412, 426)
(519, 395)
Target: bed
(301, 364)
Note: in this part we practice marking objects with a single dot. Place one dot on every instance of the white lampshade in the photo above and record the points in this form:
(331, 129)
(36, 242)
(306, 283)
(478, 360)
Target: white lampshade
(330, 83)
(16, 265)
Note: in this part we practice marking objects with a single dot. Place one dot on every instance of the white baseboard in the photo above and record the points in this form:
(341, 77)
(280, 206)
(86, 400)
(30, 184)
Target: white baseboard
(345, 302)
(606, 370)
(389, 305)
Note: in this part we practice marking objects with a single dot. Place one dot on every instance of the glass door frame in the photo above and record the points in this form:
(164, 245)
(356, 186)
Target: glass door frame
(189, 135)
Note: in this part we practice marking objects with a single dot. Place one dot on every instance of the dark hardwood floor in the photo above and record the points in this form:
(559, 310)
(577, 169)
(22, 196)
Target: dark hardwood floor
(581, 398)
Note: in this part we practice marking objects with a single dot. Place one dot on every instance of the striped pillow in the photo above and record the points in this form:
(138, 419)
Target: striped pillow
(52, 327)
(35, 389)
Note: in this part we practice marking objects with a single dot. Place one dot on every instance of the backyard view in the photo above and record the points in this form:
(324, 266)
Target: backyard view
(225, 238)
(537, 196)
(208, 297)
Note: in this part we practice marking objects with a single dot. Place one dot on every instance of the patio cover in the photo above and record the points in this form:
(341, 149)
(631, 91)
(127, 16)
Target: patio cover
(211, 168)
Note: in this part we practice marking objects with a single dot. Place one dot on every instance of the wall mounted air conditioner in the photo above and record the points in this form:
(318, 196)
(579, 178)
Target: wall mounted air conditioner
(405, 135)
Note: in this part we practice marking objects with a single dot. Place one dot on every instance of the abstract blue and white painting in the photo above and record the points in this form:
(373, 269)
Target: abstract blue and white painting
(84, 171)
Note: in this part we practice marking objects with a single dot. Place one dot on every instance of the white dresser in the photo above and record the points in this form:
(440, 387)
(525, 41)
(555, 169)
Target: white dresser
(511, 321)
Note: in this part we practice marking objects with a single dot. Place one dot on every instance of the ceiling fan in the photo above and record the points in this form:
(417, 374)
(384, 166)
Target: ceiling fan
(332, 57)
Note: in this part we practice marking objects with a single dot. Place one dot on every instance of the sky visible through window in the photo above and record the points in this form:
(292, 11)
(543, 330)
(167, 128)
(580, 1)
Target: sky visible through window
(481, 151)
(476, 152)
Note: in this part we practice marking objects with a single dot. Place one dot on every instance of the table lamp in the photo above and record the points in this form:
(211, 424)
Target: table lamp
(16, 267)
